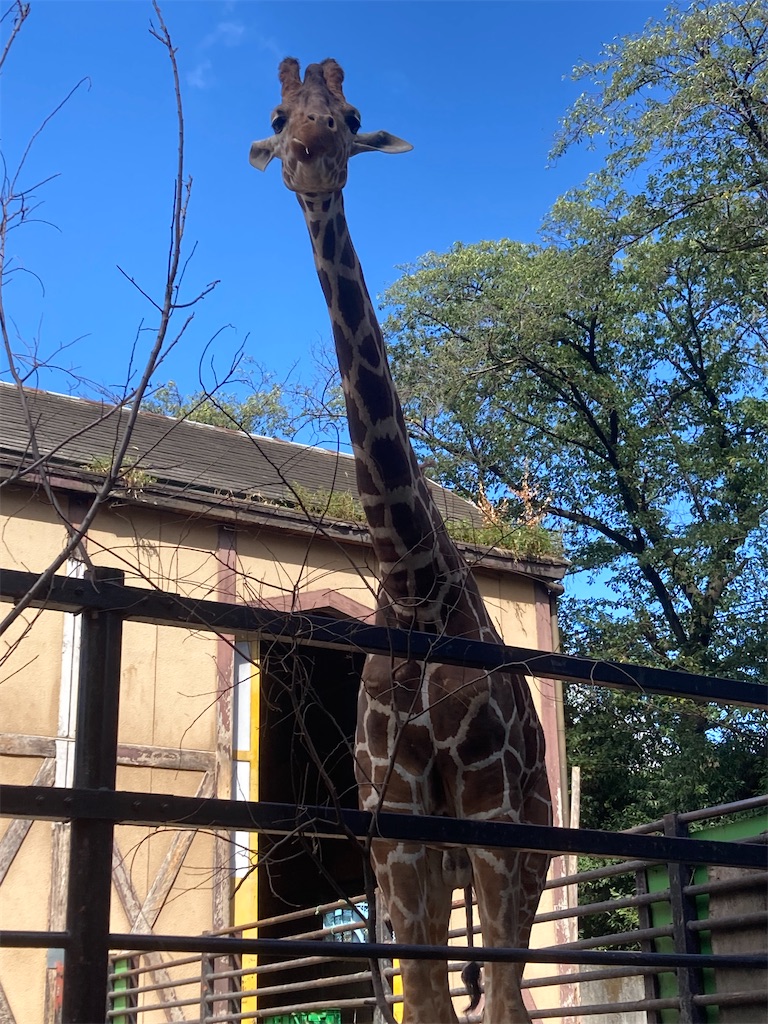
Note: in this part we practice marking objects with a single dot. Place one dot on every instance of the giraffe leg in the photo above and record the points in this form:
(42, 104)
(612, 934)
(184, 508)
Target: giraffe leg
(497, 884)
(418, 898)
(508, 886)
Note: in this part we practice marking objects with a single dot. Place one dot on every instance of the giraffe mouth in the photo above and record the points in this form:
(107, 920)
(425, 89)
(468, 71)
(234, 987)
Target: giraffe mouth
(311, 165)
(302, 149)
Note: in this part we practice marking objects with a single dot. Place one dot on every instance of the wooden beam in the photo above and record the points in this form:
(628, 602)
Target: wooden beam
(169, 869)
(226, 591)
(6, 1013)
(142, 916)
(139, 755)
(20, 745)
(57, 914)
(132, 907)
(18, 829)
(145, 756)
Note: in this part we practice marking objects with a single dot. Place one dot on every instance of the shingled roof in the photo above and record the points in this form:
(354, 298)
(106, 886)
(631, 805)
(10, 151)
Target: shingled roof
(77, 438)
(202, 470)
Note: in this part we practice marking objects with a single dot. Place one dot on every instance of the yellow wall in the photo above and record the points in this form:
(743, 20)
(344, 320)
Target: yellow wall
(24, 901)
(272, 567)
(168, 688)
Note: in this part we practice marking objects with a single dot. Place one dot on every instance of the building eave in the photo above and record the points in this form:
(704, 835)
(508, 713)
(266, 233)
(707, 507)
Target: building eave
(239, 511)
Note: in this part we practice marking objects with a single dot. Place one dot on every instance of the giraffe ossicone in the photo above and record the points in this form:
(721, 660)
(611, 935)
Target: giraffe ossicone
(431, 739)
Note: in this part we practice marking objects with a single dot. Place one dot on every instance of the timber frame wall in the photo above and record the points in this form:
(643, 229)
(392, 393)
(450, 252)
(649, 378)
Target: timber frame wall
(93, 806)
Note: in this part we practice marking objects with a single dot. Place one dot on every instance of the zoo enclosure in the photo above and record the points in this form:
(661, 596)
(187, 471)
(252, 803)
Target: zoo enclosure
(94, 806)
(216, 989)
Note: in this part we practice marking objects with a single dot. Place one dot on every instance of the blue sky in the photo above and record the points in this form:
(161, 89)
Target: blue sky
(478, 88)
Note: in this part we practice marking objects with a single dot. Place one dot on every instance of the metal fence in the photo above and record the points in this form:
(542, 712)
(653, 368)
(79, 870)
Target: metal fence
(214, 989)
(93, 806)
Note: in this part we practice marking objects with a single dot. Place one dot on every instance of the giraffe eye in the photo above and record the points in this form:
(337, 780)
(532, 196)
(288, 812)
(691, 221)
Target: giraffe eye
(278, 123)
(353, 121)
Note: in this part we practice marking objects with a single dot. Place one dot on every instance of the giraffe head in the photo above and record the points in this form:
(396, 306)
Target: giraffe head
(317, 131)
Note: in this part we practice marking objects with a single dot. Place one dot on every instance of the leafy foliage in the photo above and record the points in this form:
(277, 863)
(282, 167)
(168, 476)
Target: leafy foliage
(641, 758)
(253, 403)
(267, 410)
(623, 358)
(616, 370)
(341, 505)
(522, 541)
(131, 476)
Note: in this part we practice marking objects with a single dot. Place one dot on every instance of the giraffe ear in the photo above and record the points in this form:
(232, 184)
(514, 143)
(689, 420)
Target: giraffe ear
(381, 142)
(262, 152)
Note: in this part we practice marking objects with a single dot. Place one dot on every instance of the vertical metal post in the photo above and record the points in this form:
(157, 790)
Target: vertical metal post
(383, 934)
(84, 999)
(690, 982)
(206, 987)
(650, 981)
(123, 998)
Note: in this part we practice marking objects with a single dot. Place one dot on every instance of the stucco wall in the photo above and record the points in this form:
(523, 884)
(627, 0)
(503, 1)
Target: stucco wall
(171, 692)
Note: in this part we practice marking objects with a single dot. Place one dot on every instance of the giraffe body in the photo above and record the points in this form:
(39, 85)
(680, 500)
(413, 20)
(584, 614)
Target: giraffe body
(431, 739)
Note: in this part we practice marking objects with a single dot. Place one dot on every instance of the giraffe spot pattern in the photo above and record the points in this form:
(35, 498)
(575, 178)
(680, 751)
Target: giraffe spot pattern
(378, 401)
(325, 284)
(369, 351)
(347, 258)
(390, 459)
(351, 305)
(329, 241)
(411, 536)
(470, 741)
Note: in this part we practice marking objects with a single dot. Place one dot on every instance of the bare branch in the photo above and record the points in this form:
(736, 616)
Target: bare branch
(21, 14)
(159, 350)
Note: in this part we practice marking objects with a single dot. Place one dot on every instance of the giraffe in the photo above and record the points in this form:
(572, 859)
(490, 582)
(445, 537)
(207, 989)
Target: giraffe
(431, 739)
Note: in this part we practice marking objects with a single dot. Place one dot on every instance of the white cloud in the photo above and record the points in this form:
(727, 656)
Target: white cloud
(200, 77)
(226, 33)
(270, 46)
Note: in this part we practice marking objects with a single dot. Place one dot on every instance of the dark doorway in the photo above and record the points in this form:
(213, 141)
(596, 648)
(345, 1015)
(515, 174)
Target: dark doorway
(307, 727)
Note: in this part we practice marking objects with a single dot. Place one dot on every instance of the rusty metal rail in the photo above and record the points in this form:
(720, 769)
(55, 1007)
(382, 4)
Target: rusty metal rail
(238, 983)
(94, 807)
(106, 593)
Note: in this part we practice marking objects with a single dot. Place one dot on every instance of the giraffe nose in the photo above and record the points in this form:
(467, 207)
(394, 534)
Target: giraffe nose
(322, 120)
(314, 138)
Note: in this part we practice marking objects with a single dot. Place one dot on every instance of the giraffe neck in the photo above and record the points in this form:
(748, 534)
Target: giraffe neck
(418, 562)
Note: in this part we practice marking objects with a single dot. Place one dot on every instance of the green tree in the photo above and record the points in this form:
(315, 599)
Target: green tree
(613, 376)
(251, 402)
(621, 362)
(640, 759)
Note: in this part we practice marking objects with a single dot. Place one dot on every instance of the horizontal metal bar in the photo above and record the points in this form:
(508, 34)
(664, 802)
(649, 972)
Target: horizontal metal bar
(137, 989)
(285, 819)
(621, 938)
(390, 950)
(575, 977)
(624, 1007)
(285, 988)
(143, 969)
(293, 1009)
(702, 813)
(605, 906)
(20, 939)
(144, 605)
(166, 1005)
(736, 922)
(751, 996)
(746, 881)
(597, 874)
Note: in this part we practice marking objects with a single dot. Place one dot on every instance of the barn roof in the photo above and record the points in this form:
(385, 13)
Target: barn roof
(191, 466)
